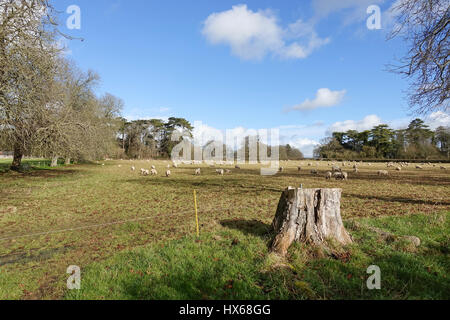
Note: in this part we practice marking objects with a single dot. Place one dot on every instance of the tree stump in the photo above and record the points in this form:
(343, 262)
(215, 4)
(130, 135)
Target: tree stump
(310, 216)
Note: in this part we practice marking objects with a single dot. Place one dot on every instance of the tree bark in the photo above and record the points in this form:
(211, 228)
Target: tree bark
(309, 216)
(17, 159)
(54, 161)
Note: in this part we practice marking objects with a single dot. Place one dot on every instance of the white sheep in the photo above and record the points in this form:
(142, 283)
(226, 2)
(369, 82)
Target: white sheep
(153, 167)
(168, 173)
(398, 169)
(341, 175)
(314, 172)
(443, 168)
(329, 175)
(383, 173)
(154, 172)
(419, 167)
(133, 169)
(280, 169)
(220, 171)
(198, 172)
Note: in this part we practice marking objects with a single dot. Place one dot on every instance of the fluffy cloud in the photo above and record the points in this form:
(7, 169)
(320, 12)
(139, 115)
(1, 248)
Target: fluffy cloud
(253, 35)
(324, 98)
(360, 125)
(305, 145)
(434, 120)
(438, 119)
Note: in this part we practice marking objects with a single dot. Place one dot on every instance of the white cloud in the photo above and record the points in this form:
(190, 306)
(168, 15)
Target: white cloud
(360, 125)
(253, 35)
(305, 145)
(437, 119)
(434, 120)
(324, 98)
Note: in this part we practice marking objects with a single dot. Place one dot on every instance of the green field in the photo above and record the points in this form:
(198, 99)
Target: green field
(134, 237)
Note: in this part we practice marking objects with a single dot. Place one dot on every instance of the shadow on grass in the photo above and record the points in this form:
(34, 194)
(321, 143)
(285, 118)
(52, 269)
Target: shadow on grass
(40, 173)
(26, 257)
(211, 182)
(248, 227)
(397, 199)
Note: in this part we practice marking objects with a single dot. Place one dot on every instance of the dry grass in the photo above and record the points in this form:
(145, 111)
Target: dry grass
(160, 208)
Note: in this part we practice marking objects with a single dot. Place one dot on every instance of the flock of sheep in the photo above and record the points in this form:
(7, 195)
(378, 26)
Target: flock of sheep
(336, 171)
(168, 173)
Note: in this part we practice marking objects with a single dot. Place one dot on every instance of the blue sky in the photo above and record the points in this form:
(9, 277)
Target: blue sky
(306, 67)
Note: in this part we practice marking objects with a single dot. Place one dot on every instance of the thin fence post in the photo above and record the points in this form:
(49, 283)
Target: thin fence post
(196, 213)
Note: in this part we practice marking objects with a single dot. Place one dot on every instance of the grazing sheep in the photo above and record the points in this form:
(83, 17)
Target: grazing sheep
(227, 171)
(299, 168)
(168, 173)
(198, 172)
(355, 170)
(281, 169)
(398, 169)
(153, 167)
(133, 169)
(220, 171)
(314, 172)
(237, 167)
(145, 173)
(154, 172)
(419, 167)
(175, 165)
(383, 173)
(443, 168)
(329, 175)
(341, 176)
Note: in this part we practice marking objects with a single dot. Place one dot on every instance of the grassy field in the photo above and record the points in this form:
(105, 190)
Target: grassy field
(134, 237)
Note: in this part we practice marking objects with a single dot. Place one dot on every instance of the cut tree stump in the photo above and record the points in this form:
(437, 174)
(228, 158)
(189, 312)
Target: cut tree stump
(310, 216)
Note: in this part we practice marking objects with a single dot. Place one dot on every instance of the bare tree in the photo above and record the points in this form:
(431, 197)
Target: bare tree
(27, 65)
(425, 26)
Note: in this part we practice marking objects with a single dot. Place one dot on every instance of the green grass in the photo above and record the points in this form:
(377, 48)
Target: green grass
(117, 225)
(212, 267)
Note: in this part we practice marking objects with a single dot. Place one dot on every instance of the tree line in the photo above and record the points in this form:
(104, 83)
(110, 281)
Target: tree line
(417, 141)
(156, 138)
